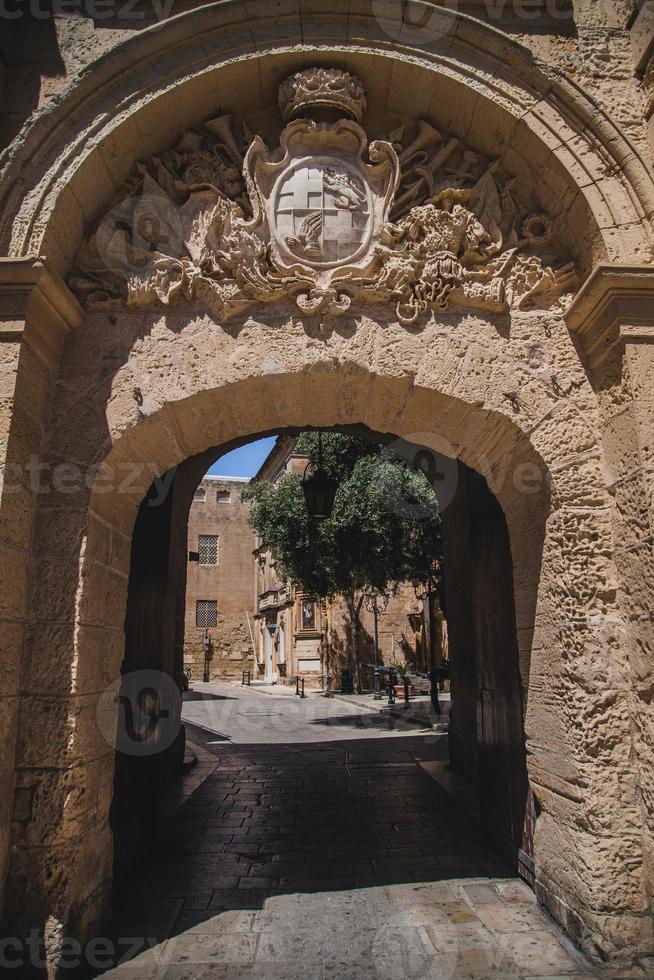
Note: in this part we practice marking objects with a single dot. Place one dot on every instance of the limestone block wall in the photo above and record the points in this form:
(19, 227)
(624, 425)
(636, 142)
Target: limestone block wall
(590, 40)
(642, 46)
(200, 388)
(611, 317)
(35, 316)
(561, 435)
(230, 582)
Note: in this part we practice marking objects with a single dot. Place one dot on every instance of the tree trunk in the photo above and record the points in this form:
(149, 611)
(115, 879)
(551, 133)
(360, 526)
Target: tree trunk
(354, 639)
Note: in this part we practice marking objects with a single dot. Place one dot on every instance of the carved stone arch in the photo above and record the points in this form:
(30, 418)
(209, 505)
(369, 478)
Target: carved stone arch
(128, 105)
(509, 395)
(162, 400)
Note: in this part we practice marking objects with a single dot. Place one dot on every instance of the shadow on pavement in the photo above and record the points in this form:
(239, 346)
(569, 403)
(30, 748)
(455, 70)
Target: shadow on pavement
(283, 820)
(380, 720)
(192, 695)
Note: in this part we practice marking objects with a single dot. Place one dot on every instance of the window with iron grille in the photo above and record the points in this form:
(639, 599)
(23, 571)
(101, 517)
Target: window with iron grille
(200, 494)
(223, 496)
(208, 549)
(206, 613)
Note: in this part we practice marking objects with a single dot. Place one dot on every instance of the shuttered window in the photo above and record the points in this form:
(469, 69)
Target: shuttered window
(208, 549)
(206, 613)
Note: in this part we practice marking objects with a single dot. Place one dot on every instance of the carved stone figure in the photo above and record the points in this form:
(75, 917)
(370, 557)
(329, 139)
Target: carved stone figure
(420, 222)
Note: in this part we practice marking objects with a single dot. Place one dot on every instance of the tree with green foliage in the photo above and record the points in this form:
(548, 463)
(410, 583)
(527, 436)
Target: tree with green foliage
(384, 528)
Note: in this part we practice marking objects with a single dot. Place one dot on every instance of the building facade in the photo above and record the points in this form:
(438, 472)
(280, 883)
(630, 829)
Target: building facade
(218, 636)
(490, 301)
(239, 616)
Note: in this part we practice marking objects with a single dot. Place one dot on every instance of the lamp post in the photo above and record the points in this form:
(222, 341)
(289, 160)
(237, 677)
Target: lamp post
(206, 646)
(319, 488)
(376, 603)
(426, 590)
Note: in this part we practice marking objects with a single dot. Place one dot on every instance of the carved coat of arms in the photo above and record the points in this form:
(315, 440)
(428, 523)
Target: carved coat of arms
(327, 218)
(322, 203)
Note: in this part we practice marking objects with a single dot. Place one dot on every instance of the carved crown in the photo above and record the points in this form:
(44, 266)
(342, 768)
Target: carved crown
(322, 88)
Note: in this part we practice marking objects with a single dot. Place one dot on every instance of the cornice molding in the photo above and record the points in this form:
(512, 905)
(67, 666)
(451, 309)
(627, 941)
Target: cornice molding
(36, 306)
(614, 305)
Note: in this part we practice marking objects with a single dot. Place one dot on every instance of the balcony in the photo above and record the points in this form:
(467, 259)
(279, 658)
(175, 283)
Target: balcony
(274, 598)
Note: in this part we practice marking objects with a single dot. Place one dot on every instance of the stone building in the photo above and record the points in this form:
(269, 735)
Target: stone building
(454, 251)
(240, 616)
(219, 596)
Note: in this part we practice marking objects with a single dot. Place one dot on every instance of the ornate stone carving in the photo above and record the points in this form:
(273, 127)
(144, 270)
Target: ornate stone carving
(327, 88)
(420, 221)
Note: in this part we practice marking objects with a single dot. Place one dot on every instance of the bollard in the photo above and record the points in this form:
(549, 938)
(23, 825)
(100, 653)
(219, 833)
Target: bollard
(299, 681)
(245, 679)
(406, 690)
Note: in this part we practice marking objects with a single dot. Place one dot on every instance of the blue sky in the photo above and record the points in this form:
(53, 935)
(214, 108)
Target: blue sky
(244, 461)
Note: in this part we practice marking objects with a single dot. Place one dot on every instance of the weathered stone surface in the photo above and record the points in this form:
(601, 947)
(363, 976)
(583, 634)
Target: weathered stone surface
(229, 582)
(509, 392)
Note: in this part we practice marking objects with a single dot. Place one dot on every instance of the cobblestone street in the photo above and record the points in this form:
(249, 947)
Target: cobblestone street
(341, 858)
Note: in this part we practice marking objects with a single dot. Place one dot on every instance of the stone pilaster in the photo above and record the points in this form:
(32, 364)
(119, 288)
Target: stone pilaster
(36, 313)
(642, 47)
(613, 320)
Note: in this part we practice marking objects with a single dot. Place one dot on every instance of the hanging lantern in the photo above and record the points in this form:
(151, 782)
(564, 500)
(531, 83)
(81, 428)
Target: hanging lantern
(319, 489)
(319, 492)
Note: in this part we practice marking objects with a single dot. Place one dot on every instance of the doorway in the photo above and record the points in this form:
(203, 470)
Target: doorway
(486, 734)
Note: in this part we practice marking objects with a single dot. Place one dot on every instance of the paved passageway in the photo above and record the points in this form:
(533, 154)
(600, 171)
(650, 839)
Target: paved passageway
(343, 857)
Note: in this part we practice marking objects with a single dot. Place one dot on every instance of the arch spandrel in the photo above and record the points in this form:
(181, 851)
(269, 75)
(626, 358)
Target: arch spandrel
(127, 108)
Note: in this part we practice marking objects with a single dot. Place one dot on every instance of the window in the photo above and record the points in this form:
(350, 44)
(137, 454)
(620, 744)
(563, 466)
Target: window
(206, 613)
(223, 496)
(208, 549)
(200, 494)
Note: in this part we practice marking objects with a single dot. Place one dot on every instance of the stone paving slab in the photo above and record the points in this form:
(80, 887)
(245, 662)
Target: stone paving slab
(332, 861)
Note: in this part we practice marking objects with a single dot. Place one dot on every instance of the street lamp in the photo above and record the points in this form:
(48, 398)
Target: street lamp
(427, 589)
(376, 603)
(319, 488)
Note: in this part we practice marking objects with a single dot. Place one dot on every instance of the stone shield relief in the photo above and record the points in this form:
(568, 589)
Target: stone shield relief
(417, 221)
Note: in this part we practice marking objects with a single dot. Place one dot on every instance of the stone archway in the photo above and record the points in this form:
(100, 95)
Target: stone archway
(138, 390)
(489, 682)
(253, 405)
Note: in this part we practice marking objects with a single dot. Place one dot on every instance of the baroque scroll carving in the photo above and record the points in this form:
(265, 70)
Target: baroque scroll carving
(417, 220)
